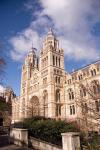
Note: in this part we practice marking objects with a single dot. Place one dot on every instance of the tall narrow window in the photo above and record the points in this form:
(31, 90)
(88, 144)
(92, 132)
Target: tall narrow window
(86, 107)
(94, 89)
(59, 62)
(97, 106)
(57, 96)
(58, 110)
(56, 61)
(94, 71)
(53, 60)
(91, 72)
(70, 110)
(72, 95)
(56, 79)
(59, 80)
(73, 109)
(84, 92)
(69, 96)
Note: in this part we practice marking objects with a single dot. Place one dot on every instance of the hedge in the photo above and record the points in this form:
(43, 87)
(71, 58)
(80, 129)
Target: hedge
(47, 129)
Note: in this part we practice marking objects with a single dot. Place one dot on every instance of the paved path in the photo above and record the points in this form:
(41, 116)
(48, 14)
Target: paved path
(13, 147)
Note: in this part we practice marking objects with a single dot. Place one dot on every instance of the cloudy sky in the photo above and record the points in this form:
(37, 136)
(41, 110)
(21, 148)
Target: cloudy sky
(76, 23)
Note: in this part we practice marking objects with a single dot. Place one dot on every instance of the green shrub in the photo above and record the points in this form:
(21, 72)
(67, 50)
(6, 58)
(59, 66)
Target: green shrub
(48, 129)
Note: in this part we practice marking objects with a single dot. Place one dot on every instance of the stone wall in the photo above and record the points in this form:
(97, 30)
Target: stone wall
(70, 140)
(19, 136)
(42, 145)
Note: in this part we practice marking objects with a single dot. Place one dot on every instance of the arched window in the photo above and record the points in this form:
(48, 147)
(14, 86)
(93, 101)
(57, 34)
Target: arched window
(80, 77)
(93, 72)
(56, 61)
(82, 92)
(95, 86)
(53, 60)
(58, 110)
(72, 110)
(45, 103)
(58, 79)
(34, 106)
(59, 62)
(58, 105)
(46, 60)
(71, 94)
(57, 95)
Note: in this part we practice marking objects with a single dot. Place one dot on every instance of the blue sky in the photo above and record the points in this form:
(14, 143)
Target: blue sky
(23, 22)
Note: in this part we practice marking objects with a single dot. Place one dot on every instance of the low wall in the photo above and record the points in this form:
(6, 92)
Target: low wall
(42, 145)
(19, 136)
(70, 140)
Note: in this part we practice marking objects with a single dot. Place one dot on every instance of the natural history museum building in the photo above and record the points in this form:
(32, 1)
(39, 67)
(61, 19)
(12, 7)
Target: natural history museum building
(48, 90)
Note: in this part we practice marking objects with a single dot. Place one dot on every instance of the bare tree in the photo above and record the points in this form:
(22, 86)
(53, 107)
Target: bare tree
(88, 100)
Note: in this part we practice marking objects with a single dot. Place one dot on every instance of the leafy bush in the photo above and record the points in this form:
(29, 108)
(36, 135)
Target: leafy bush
(48, 129)
(4, 106)
(91, 140)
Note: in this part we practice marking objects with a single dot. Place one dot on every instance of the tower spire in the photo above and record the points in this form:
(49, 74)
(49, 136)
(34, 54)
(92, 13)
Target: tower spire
(50, 31)
(33, 49)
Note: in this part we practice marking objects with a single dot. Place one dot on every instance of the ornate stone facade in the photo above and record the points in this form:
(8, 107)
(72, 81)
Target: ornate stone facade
(47, 90)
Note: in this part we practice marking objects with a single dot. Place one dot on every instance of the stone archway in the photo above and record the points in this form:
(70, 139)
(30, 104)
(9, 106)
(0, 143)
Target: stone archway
(34, 106)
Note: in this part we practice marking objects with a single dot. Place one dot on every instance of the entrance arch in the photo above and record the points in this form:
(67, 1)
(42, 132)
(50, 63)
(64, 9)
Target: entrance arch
(34, 108)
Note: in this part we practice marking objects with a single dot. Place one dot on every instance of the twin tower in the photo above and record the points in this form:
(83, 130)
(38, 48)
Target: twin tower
(42, 81)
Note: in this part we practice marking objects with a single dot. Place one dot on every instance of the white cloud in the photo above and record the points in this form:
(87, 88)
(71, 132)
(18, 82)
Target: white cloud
(22, 43)
(72, 20)
(78, 52)
(1, 89)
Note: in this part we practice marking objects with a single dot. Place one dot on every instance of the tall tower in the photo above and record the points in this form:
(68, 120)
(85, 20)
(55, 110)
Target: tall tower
(52, 73)
(30, 64)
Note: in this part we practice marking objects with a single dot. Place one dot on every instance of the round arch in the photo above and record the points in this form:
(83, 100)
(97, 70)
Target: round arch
(34, 106)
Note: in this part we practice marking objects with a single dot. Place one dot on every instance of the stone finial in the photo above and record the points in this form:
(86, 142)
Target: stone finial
(50, 31)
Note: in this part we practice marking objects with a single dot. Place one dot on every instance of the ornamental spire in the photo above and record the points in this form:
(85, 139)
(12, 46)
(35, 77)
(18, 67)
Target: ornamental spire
(50, 31)
(33, 49)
